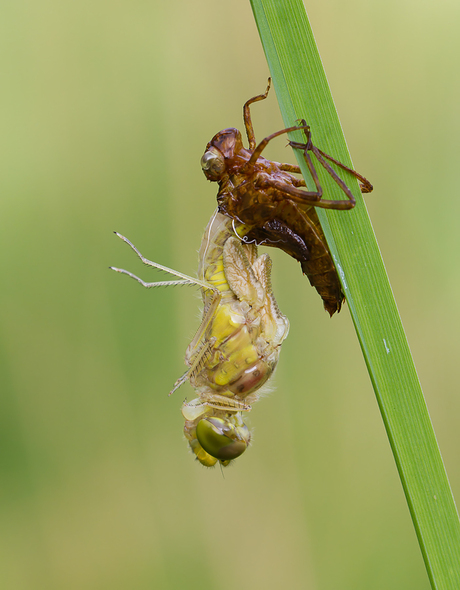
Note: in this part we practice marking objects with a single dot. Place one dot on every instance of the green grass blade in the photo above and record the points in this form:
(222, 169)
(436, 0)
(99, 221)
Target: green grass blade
(303, 92)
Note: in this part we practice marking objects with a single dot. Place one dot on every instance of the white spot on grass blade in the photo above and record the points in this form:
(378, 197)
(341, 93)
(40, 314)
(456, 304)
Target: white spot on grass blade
(340, 273)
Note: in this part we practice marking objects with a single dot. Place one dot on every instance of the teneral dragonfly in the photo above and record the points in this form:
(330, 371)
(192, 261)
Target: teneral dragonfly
(237, 345)
(273, 205)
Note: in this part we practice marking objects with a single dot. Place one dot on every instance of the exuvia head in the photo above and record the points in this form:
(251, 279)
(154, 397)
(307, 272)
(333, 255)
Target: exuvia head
(223, 146)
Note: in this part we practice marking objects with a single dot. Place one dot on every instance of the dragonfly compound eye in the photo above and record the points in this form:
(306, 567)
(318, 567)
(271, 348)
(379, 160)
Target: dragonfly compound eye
(213, 164)
(222, 439)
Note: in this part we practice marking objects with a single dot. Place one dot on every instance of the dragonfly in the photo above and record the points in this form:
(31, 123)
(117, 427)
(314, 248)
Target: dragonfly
(237, 345)
(273, 205)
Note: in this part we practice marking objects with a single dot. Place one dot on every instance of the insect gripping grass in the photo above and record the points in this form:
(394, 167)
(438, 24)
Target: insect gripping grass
(272, 203)
(237, 345)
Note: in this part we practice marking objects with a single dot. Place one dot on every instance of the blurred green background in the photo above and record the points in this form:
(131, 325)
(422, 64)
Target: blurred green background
(106, 110)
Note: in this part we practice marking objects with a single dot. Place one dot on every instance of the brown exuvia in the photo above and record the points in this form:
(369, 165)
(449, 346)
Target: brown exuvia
(273, 205)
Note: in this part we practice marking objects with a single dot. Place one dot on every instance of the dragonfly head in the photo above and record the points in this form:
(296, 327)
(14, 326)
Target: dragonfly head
(222, 439)
(223, 146)
(217, 438)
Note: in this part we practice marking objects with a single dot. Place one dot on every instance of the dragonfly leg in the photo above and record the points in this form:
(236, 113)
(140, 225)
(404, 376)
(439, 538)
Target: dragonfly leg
(206, 321)
(226, 404)
(365, 185)
(314, 198)
(156, 284)
(200, 348)
(298, 182)
(197, 353)
(249, 166)
(186, 280)
(247, 116)
(290, 168)
(182, 379)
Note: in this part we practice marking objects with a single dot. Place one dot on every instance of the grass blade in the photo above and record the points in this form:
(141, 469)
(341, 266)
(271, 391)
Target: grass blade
(303, 92)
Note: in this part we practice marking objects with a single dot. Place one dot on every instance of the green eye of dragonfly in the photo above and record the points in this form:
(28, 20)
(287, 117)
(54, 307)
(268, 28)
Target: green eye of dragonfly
(222, 440)
(212, 164)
